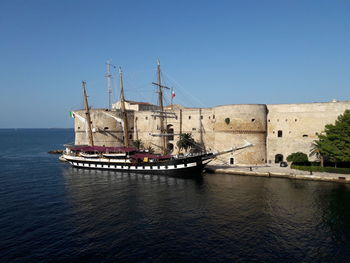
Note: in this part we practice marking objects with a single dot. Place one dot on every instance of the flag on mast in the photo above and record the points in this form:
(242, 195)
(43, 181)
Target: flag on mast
(172, 94)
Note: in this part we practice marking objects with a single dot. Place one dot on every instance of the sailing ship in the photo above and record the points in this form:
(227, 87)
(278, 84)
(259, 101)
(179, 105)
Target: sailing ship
(130, 159)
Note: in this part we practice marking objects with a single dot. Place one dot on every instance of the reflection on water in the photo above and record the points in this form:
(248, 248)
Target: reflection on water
(224, 217)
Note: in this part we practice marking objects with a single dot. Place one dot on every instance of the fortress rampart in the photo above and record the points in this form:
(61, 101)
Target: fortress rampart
(293, 127)
(275, 130)
(106, 129)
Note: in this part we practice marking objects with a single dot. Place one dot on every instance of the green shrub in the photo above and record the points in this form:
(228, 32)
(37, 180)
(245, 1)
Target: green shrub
(297, 157)
(322, 169)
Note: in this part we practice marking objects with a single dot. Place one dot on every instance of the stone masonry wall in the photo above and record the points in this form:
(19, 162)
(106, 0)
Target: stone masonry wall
(275, 130)
(293, 127)
(247, 122)
(106, 130)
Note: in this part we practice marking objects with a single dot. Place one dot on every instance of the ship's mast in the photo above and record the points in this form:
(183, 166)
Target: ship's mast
(124, 113)
(87, 113)
(109, 84)
(160, 98)
(161, 113)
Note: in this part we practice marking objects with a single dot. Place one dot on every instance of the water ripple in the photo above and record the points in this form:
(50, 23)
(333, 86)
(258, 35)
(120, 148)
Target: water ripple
(51, 212)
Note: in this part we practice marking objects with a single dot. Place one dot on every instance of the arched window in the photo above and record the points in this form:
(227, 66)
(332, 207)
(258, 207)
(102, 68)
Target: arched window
(170, 130)
(278, 158)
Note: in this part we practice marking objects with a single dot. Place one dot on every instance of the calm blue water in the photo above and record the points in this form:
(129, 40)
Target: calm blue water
(50, 212)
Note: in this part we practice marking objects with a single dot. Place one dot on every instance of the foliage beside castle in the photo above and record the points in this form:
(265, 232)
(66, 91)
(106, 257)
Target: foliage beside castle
(276, 130)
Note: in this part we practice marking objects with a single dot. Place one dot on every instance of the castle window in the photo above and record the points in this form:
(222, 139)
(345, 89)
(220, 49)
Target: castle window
(295, 120)
(193, 129)
(154, 117)
(209, 117)
(305, 135)
(136, 118)
(253, 120)
(105, 128)
(78, 128)
(130, 136)
(232, 160)
(316, 133)
(201, 117)
(279, 133)
(189, 117)
(269, 120)
(227, 120)
(213, 116)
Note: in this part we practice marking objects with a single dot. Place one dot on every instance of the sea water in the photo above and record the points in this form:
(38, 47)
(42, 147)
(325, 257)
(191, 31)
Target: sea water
(51, 212)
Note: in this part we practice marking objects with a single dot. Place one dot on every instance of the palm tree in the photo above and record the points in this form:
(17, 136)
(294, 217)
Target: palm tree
(186, 141)
(316, 152)
(150, 149)
(138, 144)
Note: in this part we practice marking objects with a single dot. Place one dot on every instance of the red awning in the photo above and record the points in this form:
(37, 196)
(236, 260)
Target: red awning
(103, 149)
(149, 156)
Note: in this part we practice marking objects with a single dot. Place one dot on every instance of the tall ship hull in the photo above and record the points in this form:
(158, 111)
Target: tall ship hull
(184, 167)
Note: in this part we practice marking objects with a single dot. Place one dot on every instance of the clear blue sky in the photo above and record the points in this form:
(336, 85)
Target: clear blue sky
(212, 53)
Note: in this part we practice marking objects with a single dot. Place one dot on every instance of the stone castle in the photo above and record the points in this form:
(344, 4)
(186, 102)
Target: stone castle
(276, 130)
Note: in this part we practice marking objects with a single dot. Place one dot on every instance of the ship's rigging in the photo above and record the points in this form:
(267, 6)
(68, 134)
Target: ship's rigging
(128, 158)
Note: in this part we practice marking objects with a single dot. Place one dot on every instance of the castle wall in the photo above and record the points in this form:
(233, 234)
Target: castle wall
(106, 130)
(247, 122)
(277, 129)
(145, 124)
(299, 125)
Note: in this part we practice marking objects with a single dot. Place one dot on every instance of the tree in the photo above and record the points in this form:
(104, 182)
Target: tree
(138, 144)
(316, 151)
(334, 142)
(150, 149)
(186, 141)
(297, 157)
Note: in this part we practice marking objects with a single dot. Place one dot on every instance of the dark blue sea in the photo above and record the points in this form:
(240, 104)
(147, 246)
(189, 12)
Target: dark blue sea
(50, 212)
